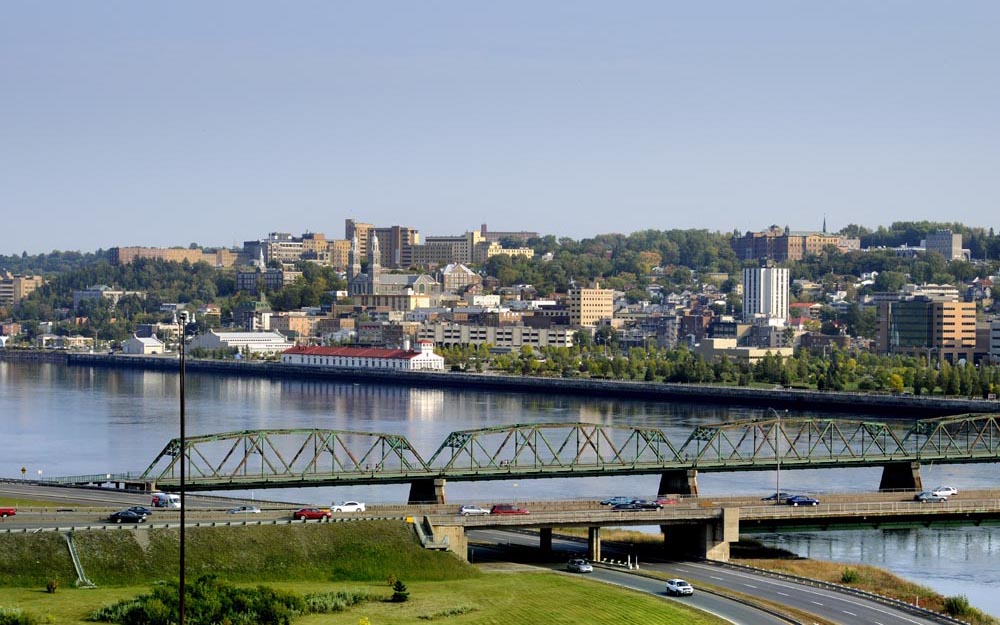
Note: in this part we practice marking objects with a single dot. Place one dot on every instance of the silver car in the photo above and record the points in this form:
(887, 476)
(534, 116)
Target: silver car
(244, 510)
(579, 565)
(472, 511)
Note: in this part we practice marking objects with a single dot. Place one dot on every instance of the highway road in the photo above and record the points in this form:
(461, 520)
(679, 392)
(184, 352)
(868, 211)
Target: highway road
(826, 604)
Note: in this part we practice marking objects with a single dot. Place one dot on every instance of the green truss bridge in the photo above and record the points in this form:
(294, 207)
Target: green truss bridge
(284, 458)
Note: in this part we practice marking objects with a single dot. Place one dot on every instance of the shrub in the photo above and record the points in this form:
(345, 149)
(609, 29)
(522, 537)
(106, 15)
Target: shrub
(51, 586)
(327, 602)
(957, 605)
(399, 593)
(850, 576)
(16, 616)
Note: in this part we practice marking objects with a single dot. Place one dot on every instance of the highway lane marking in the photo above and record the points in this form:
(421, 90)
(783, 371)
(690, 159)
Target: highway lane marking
(848, 613)
(721, 579)
(830, 594)
(816, 602)
(783, 594)
(749, 585)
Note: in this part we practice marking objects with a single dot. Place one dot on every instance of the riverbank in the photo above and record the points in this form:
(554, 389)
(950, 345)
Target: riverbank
(900, 406)
(904, 406)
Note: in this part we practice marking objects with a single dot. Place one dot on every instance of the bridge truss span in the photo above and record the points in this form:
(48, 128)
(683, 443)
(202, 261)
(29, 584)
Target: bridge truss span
(555, 448)
(278, 457)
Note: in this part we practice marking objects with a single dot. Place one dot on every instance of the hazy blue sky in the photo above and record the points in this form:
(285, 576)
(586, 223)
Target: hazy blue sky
(139, 123)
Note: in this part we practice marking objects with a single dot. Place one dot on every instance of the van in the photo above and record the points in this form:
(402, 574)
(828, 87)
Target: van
(166, 500)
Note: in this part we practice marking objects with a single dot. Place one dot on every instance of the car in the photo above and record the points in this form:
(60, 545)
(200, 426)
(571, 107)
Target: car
(473, 511)
(945, 491)
(667, 501)
(6, 512)
(614, 501)
(778, 496)
(645, 504)
(678, 587)
(630, 506)
(143, 510)
(929, 497)
(801, 500)
(244, 510)
(311, 514)
(127, 516)
(579, 565)
(508, 508)
(348, 506)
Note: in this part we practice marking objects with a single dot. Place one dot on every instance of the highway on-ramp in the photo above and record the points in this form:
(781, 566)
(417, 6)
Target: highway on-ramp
(827, 604)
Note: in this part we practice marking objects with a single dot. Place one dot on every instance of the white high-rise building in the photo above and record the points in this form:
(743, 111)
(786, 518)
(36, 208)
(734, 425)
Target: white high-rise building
(765, 293)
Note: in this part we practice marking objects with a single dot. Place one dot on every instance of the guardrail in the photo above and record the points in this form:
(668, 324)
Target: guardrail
(107, 527)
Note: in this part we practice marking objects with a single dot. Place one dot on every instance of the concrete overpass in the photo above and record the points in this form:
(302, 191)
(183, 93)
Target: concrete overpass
(705, 528)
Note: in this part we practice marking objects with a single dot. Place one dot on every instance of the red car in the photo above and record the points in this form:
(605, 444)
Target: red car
(506, 508)
(666, 501)
(6, 512)
(311, 514)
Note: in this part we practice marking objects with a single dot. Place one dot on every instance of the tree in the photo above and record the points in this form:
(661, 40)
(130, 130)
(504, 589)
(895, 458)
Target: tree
(399, 592)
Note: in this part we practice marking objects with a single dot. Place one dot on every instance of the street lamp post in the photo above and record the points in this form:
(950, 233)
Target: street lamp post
(182, 319)
(777, 455)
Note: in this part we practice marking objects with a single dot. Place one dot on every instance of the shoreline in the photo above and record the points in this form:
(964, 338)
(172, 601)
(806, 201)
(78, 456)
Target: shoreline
(898, 406)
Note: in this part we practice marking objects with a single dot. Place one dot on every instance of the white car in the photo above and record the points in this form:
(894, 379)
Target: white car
(579, 565)
(945, 491)
(348, 506)
(473, 511)
(678, 587)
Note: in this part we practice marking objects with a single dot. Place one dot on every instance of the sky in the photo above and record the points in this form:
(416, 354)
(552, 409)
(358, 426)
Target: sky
(166, 123)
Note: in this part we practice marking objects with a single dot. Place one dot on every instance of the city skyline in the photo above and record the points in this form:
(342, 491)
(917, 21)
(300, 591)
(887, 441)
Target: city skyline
(164, 125)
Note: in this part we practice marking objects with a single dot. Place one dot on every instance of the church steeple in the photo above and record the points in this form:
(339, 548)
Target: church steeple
(824, 224)
(355, 259)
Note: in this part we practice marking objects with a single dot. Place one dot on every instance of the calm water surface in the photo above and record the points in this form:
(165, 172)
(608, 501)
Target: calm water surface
(75, 420)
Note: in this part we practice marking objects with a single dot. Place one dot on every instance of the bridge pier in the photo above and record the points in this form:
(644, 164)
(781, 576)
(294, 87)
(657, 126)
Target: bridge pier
(427, 490)
(901, 476)
(678, 482)
(545, 540)
(594, 544)
(706, 540)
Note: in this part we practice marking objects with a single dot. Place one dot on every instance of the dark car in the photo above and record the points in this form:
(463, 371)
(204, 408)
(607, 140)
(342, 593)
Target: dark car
(645, 504)
(127, 516)
(311, 514)
(143, 510)
(801, 500)
(628, 506)
(778, 496)
(506, 508)
(617, 500)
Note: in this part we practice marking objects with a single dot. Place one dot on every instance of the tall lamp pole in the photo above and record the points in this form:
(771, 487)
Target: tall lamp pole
(182, 318)
(777, 455)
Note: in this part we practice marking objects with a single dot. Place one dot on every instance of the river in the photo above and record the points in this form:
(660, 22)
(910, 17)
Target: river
(59, 420)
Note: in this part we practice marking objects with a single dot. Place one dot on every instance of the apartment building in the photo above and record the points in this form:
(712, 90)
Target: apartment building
(215, 258)
(995, 340)
(588, 307)
(521, 235)
(15, 288)
(945, 243)
(504, 337)
(103, 291)
(765, 293)
(930, 329)
(252, 282)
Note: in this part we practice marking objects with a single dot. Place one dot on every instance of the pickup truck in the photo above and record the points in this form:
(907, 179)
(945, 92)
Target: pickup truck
(6, 512)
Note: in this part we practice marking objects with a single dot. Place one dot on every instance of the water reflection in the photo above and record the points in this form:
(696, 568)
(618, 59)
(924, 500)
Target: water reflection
(953, 561)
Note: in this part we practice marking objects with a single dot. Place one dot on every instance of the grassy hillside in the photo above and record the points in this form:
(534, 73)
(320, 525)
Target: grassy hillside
(358, 551)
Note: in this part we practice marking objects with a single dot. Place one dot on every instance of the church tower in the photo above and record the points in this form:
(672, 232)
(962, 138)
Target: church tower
(374, 266)
(354, 260)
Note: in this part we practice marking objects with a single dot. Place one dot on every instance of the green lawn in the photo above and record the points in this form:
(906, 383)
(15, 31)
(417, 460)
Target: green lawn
(20, 502)
(488, 599)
